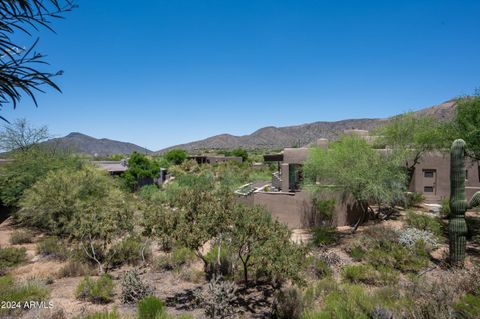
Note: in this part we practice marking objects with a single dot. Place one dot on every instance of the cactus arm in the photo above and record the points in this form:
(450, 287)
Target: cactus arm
(475, 201)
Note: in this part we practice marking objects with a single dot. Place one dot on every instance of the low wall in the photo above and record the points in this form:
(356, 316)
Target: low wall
(296, 209)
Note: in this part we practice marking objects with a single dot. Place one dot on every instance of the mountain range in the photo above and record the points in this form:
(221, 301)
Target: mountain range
(269, 137)
(301, 135)
(85, 144)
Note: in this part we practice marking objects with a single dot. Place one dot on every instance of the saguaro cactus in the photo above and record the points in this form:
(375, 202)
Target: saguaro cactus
(457, 228)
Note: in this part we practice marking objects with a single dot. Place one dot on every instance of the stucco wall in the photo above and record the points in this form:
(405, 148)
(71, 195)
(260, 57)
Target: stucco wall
(440, 162)
(296, 210)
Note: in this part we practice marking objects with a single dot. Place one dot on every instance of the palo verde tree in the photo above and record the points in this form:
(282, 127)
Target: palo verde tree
(466, 124)
(83, 205)
(412, 136)
(351, 166)
(21, 67)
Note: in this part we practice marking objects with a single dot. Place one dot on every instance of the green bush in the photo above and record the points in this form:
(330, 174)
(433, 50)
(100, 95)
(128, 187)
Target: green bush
(19, 237)
(176, 258)
(324, 236)
(356, 252)
(288, 304)
(414, 199)
(96, 290)
(424, 222)
(20, 293)
(148, 191)
(320, 267)
(10, 257)
(445, 209)
(359, 274)
(468, 306)
(103, 315)
(128, 251)
(75, 268)
(368, 274)
(76, 203)
(382, 249)
(52, 247)
(151, 308)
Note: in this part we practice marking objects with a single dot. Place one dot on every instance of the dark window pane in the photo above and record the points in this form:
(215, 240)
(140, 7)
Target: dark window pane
(428, 173)
(428, 189)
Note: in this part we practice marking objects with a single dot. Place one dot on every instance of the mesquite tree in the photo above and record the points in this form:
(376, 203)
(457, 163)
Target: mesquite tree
(457, 228)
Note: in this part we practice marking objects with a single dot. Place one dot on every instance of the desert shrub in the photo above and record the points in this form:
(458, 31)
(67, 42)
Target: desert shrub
(191, 275)
(219, 261)
(219, 298)
(133, 287)
(368, 274)
(103, 315)
(288, 304)
(148, 191)
(409, 237)
(330, 257)
(52, 247)
(359, 274)
(445, 209)
(381, 248)
(140, 167)
(176, 258)
(414, 199)
(468, 307)
(85, 203)
(98, 290)
(131, 250)
(321, 268)
(356, 252)
(10, 257)
(75, 268)
(151, 308)
(19, 237)
(424, 222)
(449, 297)
(20, 293)
(324, 236)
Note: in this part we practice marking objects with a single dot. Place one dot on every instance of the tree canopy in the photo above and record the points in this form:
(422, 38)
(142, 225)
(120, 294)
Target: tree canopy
(355, 168)
(21, 69)
(176, 156)
(466, 124)
(140, 167)
(411, 136)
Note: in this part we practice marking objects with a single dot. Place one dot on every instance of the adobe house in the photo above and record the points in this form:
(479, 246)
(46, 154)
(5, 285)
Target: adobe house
(112, 167)
(214, 159)
(432, 177)
(287, 201)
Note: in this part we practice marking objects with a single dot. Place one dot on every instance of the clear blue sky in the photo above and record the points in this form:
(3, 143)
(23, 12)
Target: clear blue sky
(162, 72)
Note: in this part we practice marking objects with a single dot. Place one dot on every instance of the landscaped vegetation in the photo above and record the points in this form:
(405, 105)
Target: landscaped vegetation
(127, 241)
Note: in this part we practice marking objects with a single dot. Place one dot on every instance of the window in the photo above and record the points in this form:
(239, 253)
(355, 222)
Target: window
(466, 174)
(428, 173)
(428, 189)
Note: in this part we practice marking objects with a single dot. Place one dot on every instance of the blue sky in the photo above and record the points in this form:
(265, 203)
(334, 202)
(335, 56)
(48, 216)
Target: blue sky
(163, 72)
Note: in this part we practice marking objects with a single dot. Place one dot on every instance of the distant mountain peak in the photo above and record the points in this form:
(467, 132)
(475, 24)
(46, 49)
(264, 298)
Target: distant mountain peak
(85, 144)
(272, 137)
